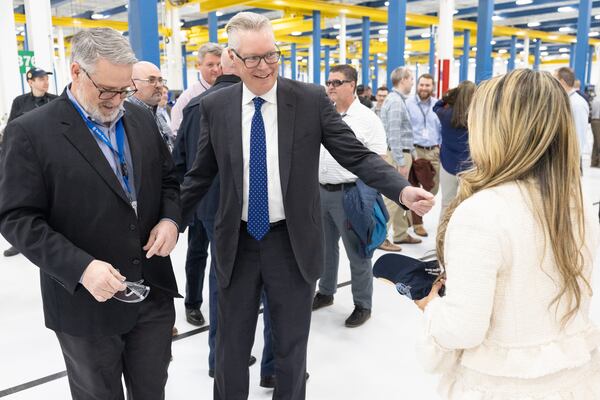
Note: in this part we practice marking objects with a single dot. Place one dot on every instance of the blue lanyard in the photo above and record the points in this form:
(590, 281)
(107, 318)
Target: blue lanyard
(120, 133)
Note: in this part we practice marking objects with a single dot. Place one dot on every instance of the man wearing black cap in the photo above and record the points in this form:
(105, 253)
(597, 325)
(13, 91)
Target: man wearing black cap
(38, 82)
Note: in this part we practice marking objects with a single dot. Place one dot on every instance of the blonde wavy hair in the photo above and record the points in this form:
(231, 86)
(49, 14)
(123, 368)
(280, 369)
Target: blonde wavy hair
(521, 129)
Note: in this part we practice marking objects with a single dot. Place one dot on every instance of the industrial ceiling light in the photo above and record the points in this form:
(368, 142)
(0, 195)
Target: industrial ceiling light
(426, 35)
(523, 2)
(496, 18)
(296, 33)
(502, 51)
(563, 50)
(597, 17)
(533, 24)
(594, 34)
(566, 9)
(564, 29)
(383, 31)
(98, 16)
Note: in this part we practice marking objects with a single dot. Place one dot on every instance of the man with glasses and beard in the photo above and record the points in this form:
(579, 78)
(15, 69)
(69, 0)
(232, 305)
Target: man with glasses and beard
(149, 83)
(89, 195)
(263, 140)
(427, 135)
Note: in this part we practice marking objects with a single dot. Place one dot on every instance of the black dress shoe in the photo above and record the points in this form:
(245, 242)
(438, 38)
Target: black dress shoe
(358, 317)
(194, 316)
(322, 300)
(251, 362)
(11, 252)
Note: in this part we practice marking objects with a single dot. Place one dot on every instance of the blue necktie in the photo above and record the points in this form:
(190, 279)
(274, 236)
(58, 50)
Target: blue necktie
(258, 192)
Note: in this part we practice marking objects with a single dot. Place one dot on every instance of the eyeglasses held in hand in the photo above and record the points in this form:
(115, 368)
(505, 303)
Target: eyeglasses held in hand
(336, 82)
(134, 293)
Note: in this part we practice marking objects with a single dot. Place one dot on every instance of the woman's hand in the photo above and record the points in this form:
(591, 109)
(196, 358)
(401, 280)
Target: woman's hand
(437, 286)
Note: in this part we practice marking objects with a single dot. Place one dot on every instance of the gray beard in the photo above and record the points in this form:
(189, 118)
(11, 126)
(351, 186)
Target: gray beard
(94, 111)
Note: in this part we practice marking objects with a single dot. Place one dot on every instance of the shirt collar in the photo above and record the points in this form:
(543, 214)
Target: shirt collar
(400, 93)
(269, 97)
(85, 113)
(203, 83)
(354, 107)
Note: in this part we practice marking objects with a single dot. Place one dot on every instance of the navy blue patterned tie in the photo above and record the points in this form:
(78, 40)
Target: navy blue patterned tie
(258, 192)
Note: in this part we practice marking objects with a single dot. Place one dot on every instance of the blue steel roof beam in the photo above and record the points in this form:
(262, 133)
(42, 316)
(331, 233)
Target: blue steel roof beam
(110, 12)
(223, 19)
(539, 11)
(511, 5)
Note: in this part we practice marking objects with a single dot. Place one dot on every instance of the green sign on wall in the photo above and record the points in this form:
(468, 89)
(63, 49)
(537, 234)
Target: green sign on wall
(26, 60)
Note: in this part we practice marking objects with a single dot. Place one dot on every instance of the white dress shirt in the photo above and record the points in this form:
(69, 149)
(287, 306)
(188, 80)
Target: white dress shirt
(581, 113)
(368, 128)
(269, 114)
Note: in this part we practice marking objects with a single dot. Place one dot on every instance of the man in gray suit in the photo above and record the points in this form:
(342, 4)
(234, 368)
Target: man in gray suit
(263, 139)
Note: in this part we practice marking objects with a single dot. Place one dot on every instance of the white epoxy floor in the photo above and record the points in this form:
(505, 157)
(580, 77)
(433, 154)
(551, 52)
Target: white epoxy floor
(377, 361)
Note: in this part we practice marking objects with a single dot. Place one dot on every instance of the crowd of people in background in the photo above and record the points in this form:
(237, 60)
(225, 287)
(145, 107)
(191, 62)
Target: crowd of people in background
(512, 145)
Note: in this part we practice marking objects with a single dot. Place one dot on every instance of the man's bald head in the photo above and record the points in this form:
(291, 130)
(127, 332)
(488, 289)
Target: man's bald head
(227, 64)
(148, 80)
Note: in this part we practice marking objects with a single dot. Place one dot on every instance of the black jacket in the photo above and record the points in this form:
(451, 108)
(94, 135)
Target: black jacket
(186, 146)
(306, 119)
(27, 102)
(62, 206)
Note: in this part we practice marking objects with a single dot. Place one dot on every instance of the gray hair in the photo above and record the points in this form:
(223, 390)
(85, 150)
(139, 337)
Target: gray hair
(245, 21)
(400, 73)
(90, 45)
(209, 48)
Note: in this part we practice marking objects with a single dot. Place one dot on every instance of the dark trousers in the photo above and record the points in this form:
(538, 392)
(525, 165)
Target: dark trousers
(267, 364)
(268, 264)
(95, 365)
(195, 263)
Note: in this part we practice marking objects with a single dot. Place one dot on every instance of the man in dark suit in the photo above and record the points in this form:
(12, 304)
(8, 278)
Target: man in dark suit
(184, 153)
(262, 137)
(89, 195)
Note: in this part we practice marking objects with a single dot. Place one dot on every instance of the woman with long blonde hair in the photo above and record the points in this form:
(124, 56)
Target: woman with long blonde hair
(517, 244)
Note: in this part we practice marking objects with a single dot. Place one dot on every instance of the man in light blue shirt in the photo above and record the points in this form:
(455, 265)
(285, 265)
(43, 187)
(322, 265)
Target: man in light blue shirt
(427, 135)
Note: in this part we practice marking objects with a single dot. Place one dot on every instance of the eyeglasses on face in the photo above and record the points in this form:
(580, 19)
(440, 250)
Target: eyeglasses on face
(271, 57)
(336, 82)
(108, 94)
(153, 80)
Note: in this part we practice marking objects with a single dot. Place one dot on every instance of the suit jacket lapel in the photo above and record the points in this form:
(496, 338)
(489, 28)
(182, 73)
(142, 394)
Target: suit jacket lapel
(286, 116)
(80, 137)
(234, 129)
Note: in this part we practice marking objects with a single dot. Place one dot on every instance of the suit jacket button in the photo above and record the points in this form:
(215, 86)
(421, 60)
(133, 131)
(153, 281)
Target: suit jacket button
(132, 227)
(136, 261)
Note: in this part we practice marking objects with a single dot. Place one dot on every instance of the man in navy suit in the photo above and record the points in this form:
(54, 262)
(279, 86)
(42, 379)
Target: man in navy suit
(263, 137)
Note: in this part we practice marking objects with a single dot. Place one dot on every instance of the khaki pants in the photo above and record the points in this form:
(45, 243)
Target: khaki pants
(433, 156)
(399, 218)
(449, 185)
(596, 147)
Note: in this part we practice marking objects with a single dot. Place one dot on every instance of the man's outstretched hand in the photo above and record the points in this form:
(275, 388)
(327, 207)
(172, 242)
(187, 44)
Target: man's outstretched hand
(416, 199)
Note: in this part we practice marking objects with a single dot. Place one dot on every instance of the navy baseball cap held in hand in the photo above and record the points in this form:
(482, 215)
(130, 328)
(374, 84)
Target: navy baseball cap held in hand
(36, 73)
(413, 278)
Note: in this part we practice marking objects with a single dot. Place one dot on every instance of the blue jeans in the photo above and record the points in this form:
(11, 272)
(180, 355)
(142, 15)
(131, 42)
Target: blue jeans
(195, 263)
(267, 364)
